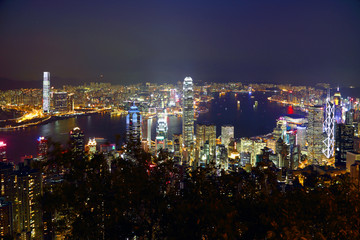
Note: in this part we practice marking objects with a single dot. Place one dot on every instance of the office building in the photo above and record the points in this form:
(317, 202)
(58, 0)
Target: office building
(6, 223)
(42, 148)
(329, 128)
(344, 142)
(161, 133)
(46, 92)
(2, 151)
(206, 133)
(314, 135)
(188, 113)
(77, 142)
(133, 125)
(60, 102)
(227, 133)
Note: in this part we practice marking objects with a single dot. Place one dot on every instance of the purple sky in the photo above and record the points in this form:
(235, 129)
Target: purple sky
(276, 41)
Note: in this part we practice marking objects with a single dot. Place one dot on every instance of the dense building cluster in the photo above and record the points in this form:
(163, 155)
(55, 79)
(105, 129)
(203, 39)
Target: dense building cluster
(302, 152)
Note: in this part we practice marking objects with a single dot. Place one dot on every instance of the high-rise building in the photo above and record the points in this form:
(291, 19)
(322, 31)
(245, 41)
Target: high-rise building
(91, 146)
(6, 223)
(161, 133)
(2, 151)
(133, 125)
(60, 101)
(46, 92)
(301, 136)
(227, 133)
(338, 107)
(77, 140)
(188, 112)
(329, 128)
(314, 135)
(206, 133)
(42, 147)
(23, 189)
(344, 142)
(70, 102)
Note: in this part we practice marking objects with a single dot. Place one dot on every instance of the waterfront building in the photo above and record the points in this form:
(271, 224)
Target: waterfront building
(42, 148)
(60, 102)
(329, 128)
(188, 113)
(314, 135)
(46, 92)
(70, 102)
(280, 129)
(206, 134)
(344, 142)
(133, 125)
(227, 133)
(2, 151)
(77, 140)
(91, 146)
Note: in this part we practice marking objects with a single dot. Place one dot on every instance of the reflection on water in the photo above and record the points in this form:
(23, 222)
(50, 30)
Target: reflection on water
(224, 110)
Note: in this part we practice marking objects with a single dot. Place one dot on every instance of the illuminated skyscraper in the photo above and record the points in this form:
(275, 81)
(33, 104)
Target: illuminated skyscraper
(329, 128)
(2, 151)
(133, 124)
(161, 133)
(188, 112)
(77, 140)
(42, 147)
(227, 133)
(60, 101)
(314, 134)
(46, 92)
(206, 134)
(344, 142)
(338, 107)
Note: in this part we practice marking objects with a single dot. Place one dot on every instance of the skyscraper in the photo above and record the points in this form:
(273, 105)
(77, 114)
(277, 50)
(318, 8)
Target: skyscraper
(161, 133)
(188, 112)
(329, 128)
(206, 133)
(314, 134)
(2, 151)
(46, 92)
(227, 133)
(60, 101)
(77, 140)
(344, 142)
(338, 107)
(133, 124)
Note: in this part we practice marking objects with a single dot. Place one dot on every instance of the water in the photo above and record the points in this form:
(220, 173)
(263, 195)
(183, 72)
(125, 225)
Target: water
(247, 120)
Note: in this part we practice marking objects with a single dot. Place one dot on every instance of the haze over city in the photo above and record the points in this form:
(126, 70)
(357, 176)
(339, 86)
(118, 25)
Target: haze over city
(126, 42)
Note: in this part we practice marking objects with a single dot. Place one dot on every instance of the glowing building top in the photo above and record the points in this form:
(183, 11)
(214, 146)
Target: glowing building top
(188, 112)
(46, 92)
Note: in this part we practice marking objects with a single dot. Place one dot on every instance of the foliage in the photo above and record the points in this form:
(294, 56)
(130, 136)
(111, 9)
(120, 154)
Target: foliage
(153, 198)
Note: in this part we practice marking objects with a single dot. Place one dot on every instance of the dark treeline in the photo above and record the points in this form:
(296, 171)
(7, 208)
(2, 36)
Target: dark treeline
(153, 198)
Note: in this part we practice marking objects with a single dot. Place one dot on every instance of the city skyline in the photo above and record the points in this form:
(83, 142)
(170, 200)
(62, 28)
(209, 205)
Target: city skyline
(128, 42)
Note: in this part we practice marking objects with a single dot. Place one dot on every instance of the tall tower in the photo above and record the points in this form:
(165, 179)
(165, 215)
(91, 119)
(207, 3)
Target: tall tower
(46, 92)
(338, 106)
(227, 133)
(161, 133)
(133, 125)
(314, 134)
(188, 112)
(329, 128)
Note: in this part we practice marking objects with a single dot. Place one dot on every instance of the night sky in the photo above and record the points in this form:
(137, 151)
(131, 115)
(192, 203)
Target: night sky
(289, 41)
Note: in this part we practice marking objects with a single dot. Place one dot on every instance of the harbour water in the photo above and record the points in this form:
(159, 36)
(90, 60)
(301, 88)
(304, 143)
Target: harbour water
(249, 119)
